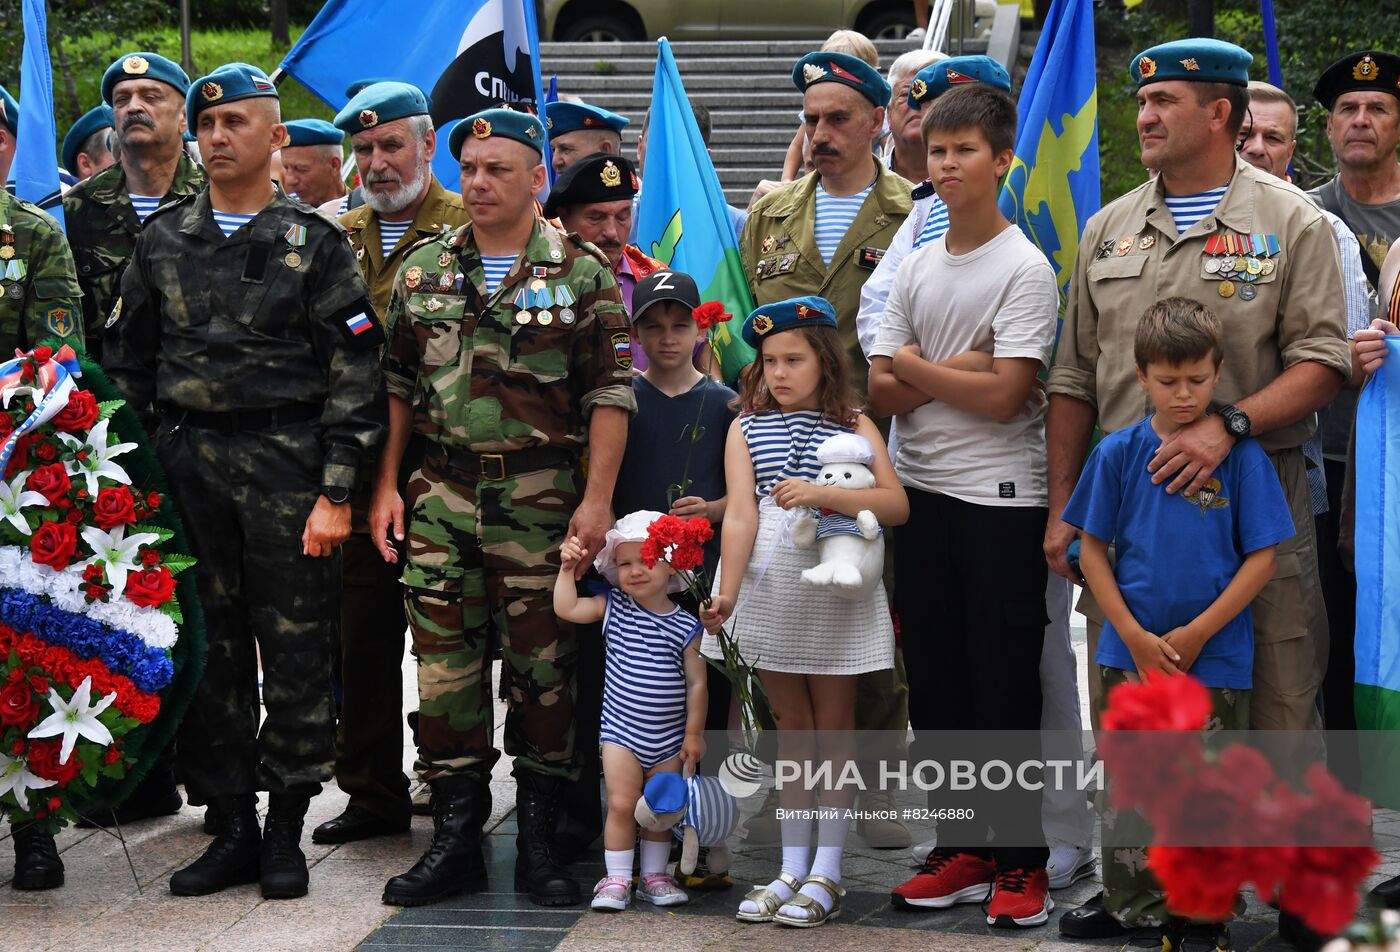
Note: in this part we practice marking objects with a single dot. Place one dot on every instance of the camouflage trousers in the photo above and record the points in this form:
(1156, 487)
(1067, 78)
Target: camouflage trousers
(1130, 891)
(244, 499)
(482, 558)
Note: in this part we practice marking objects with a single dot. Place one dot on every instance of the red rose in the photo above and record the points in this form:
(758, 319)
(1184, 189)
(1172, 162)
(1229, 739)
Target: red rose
(46, 452)
(78, 415)
(17, 748)
(150, 557)
(153, 499)
(112, 756)
(17, 704)
(150, 587)
(53, 544)
(94, 593)
(49, 481)
(43, 760)
(7, 424)
(113, 507)
(39, 684)
(54, 804)
(19, 457)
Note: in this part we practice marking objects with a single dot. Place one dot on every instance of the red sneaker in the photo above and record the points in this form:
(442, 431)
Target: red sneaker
(1022, 898)
(947, 877)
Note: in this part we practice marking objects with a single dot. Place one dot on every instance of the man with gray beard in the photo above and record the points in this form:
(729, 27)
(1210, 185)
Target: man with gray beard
(393, 141)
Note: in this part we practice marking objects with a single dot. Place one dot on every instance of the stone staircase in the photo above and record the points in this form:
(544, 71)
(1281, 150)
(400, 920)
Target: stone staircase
(747, 86)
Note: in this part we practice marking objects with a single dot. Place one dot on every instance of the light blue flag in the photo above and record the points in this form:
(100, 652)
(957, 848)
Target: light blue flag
(468, 55)
(1377, 552)
(682, 218)
(1053, 186)
(35, 170)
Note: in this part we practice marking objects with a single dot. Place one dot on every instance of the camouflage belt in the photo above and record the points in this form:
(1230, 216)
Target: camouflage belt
(499, 466)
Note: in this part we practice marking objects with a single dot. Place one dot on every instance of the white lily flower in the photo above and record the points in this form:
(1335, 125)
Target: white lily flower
(14, 498)
(120, 553)
(99, 457)
(15, 778)
(74, 719)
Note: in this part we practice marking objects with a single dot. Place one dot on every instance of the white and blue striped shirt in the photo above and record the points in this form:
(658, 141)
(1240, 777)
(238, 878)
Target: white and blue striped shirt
(496, 268)
(143, 205)
(834, 218)
(784, 445)
(644, 678)
(389, 234)
(229, 223)
(934, 225)
(1188, 209)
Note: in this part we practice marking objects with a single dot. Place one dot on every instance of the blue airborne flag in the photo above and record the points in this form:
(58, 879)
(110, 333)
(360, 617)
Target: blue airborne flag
(35, 170)
(1053, 186)
(682, 218)
(468, 55)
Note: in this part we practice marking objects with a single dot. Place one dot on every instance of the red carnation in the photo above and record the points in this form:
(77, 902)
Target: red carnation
(709, 314)
(7, 424)
(53, 544)
(113, 507)
(54, 804)
(42, 355)
(78, 415)
(150, 587)
(18, 706)
(39, 684)
(112, 756)
(49, 481)
(1158, 703)
(43, 760)
(17, 748)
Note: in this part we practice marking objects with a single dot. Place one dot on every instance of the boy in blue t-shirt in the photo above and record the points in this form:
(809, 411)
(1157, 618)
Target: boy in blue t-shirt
(1177, 596)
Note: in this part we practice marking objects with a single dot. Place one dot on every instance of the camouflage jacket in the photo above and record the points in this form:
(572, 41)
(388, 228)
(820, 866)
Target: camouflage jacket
(102, 228)
(272, 316)
(519, 368)
(38, 293)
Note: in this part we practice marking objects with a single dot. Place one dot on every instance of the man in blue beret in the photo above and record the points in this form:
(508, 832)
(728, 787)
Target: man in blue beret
(577, 129)
(393, 141)
(311, 162)
(825, 233)
(104, 214)
(263, 438)
(1208, 227)
(87, 146)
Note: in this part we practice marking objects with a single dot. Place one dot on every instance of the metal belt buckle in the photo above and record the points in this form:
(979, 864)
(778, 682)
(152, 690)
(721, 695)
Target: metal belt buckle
(493, 458)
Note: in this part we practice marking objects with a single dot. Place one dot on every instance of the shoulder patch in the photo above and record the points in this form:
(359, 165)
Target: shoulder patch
(622, 349)
(115, 315)
(60, 321)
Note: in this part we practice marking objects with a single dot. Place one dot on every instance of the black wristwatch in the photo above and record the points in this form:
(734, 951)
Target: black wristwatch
(336, 494)
(1237, 422)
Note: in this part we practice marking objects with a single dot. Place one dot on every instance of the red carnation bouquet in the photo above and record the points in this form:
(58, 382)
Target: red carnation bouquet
(1233, 801)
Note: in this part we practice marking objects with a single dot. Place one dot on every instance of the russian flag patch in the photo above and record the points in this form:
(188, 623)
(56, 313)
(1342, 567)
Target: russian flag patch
(260, 84)
(359, 324)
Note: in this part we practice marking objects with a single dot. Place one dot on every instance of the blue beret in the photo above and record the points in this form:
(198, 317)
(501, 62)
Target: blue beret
(937, 78)
(563, 117)
(302, 132)
(1363, 70)
(827, 67)
(99, 117)
(229, 83)
(9, 106)
(1197, 60)
(144, 66)
(379, 103)
(809, 311)
(505, 123)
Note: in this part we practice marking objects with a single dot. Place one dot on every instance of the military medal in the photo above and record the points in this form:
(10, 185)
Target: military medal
(413, 277)
(6, 252)
(445, 259)
(434, 305)
(1147, 241)
(1253, 265)
(1247, 292)
(15, 270)
(566, 316)
(564, 297)
(1212, 265)
(295, 235)
(522, 317)
(1125, 245)
(16, 291)
(544, 298)
(545, 317)
(1266, 267)
(768, 244)
(292, 260)
(360, 253)
(1227, 289)
(444, 281)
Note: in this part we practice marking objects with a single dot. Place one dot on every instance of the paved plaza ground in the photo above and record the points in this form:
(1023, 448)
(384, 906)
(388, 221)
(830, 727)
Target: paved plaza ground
(102, 908)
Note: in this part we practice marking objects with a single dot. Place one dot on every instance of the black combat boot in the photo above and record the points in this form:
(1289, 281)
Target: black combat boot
(37, 864)
(536, 870)
(232, 859)
(283, 865)
(454, 862)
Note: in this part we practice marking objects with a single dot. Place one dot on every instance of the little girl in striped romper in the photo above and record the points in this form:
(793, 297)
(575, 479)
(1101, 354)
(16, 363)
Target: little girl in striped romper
(654, 698)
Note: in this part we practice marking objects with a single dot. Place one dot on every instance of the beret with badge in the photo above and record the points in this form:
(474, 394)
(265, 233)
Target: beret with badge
(562, 118)
(302, 132)
(379, 103)
(9, 111)
(1195, 60)
(498, 123)
(937, 78)
(99, 117)
(144, 66)
(828, 67)
(807, 311)
(600, 177)
(1369, 70)
(231, 82)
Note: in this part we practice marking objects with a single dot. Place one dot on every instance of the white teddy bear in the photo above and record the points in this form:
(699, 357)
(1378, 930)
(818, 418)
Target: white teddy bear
(852, 550)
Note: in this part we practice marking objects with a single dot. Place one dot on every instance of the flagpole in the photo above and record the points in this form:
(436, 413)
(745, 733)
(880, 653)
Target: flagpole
(1266, 12)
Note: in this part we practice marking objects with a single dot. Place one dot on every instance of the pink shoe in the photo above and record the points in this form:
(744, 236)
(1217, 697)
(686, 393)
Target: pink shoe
(612, 894)
(661, 890)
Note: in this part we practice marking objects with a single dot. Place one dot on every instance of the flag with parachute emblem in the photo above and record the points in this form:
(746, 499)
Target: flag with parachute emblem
(682, 217)
(467, 55)
(1052, 188)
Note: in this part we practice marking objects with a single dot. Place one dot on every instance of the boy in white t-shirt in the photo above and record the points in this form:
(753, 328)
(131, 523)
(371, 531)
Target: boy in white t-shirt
(969, 571)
